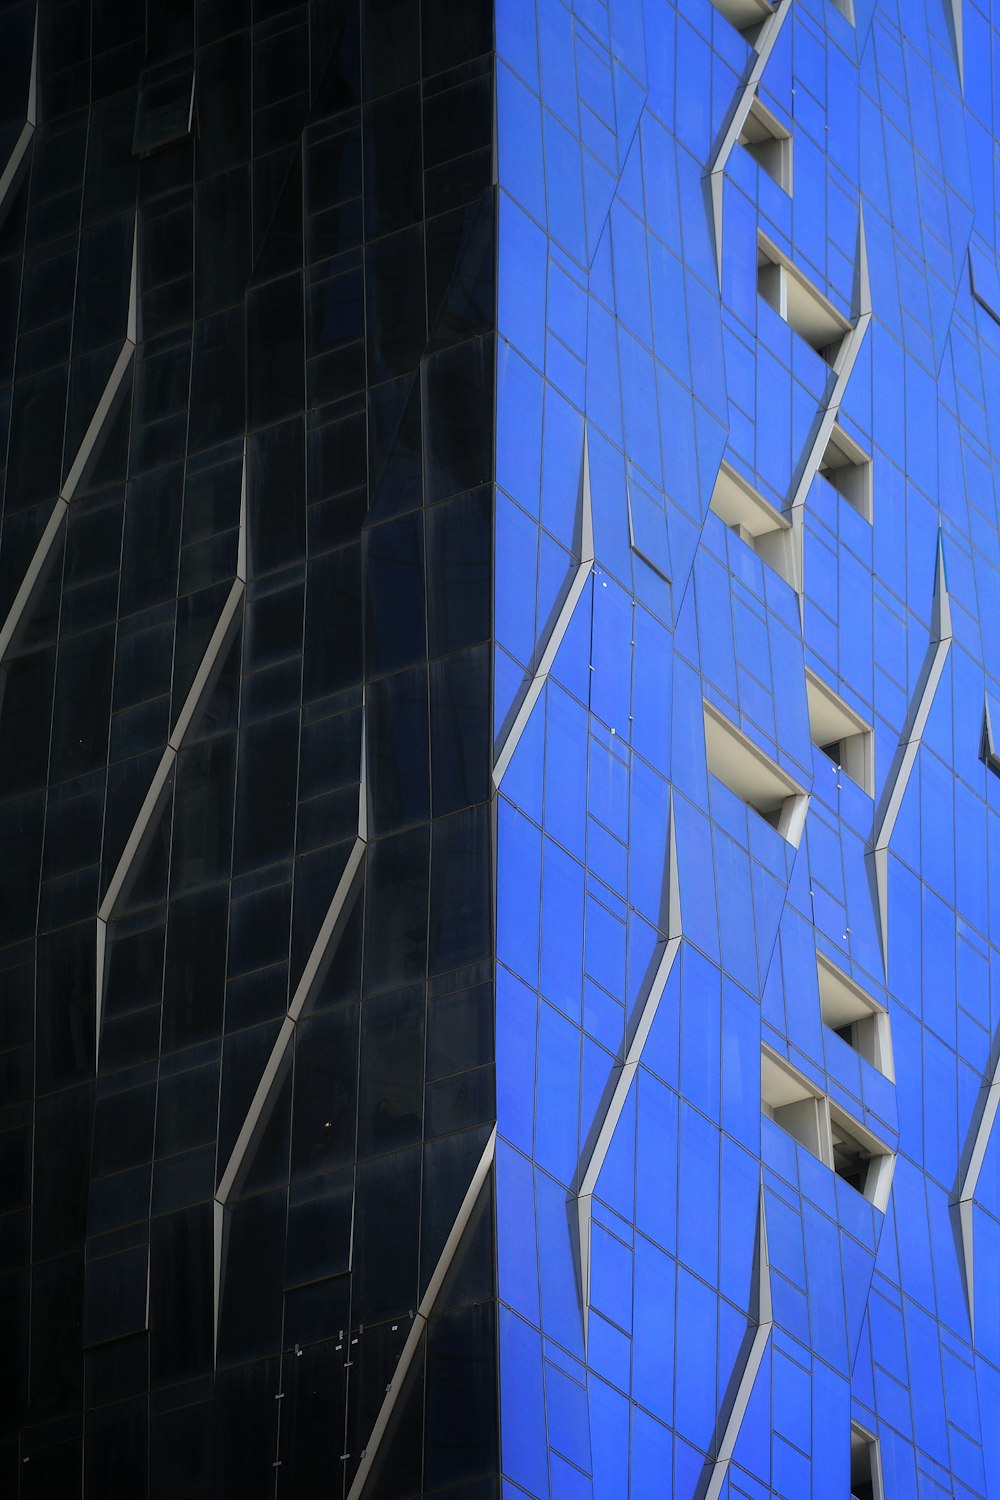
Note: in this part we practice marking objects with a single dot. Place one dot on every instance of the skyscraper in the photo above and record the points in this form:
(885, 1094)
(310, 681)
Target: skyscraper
(499, 714)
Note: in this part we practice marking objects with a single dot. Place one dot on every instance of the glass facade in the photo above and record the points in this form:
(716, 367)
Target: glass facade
(499, 738)
(747, 1191)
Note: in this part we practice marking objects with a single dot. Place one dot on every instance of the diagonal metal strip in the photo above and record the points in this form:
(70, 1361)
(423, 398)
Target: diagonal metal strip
(275, 1070)
(594, 1158)
(148, 815)
(559, 629)
(906, 755)
(984, 1119)
(422, 1315)
(751, 1369)
(105, 411)
(847, 356)
(763, 48)
(13, 173)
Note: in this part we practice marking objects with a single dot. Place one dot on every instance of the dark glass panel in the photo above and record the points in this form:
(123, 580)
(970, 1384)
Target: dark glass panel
(315, 1412)
(458, 417)
(461, 923)
(386, 1216)
(222, 240)
(275, 350)
(203, 814)
(123, 1130)
(393, 160)
(152, 530)
(222, 104)
(460, 729)
(265, 816)
(375, 1355)
(460, 1440)
(452, 32)
(217, 380)
(250, 1314)
(459, 572)
(460, 283)
(26, 683)
(183, 1180)
(245, 1428)
(319, 1233)
(317, 1311)
(181, 1295)
(103, 281)
(81, 712)
(390, 1109)
(194, 980)
(181, 1452)
(134, 972)
(460, 1101)
(56, 1374)
(115, 1295)
(391, 45)
(325, 1102)
(38, 414)
(396, 742)
(117, 1369)
(65, 1006)
(258, 937)
(396, 929)
(15, 1167)
(395, 463)
(394, 559)
(21, 824)
(187, 1109)
(396, 307)
(165, 107)
(332, 649)
(276, 496)
(458, 119)
(459, 1031)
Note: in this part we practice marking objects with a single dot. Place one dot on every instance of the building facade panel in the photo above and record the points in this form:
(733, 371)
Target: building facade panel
(498, 581)
(742, 260)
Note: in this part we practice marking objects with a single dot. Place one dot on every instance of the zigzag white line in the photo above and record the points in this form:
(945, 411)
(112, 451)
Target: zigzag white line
(99, 423)
(986, 1113)
(205, 679)
(907, 753)
(559, 629)
(751, 1369)
(764, 46)
(590, 1166)
(844, 364)
(267, 1089)
(421, 1316)
(10, 178)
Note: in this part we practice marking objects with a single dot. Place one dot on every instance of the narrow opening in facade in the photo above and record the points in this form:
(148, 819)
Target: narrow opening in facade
(825, 1130)
(788, 1100)
(846, 8)
(840, 733)
(769, 143)
(756, 522)
(750, 775)
(746, 15)
(849, 469)
(851, 1158)
(854, 1016)
(802, 305)
(859, 1159)
(866, 1470)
